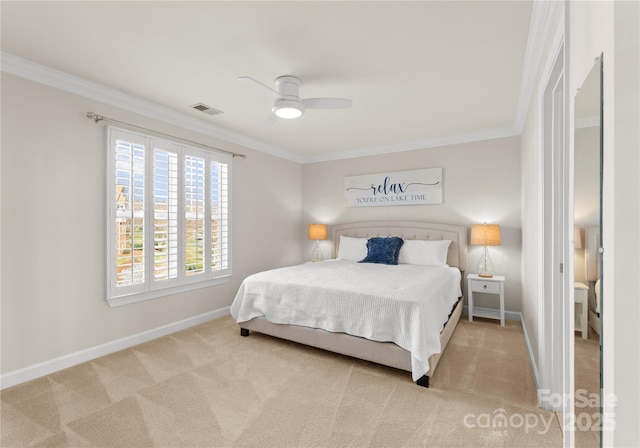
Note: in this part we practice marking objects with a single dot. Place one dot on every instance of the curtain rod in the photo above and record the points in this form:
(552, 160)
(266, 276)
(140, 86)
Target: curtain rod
(97, 118)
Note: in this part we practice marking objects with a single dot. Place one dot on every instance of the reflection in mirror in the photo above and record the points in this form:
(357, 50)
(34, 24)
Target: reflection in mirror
(587, 287)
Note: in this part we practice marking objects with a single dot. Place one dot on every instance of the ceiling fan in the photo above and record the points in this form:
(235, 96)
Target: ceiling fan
(287, 102)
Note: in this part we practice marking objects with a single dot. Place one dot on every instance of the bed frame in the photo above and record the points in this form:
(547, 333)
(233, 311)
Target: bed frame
(385, 353)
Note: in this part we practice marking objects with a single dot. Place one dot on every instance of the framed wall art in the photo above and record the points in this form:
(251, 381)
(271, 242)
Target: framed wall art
(398, 188)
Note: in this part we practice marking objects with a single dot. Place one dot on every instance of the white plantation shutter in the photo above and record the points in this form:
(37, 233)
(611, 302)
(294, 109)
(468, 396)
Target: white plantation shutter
(169, 218)
(219, 216)
(165, 215)
(194, 214)
(128, 213)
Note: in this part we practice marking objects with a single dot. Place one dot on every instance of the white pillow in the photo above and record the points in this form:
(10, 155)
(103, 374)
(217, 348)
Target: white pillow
(424, 252)
(352, 249)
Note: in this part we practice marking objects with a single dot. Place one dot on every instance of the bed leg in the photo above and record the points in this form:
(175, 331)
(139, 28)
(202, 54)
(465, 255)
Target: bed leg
(244, 332)
(423, 381)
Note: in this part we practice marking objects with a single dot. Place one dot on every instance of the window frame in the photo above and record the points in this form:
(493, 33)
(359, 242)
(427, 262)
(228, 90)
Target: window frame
(151, 287)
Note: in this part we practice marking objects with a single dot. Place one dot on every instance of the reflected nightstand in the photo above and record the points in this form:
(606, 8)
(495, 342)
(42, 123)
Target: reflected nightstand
(580, 294)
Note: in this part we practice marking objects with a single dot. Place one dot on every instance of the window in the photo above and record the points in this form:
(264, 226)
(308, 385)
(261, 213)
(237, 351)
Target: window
(168, 221)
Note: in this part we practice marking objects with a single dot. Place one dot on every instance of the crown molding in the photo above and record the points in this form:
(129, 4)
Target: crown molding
(412, 146)
(41, 74)
(538, 32)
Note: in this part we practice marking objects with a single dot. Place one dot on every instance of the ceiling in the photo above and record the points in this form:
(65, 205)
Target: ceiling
(418, 72)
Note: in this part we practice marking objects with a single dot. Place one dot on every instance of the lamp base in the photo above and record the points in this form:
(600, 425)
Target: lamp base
(317, 254)
(485, 265)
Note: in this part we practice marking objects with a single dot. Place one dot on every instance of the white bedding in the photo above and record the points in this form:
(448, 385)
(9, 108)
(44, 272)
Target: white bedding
(404, 304)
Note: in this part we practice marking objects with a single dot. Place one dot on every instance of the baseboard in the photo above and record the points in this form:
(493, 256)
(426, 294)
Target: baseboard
(45, 368)
(508, 315)
(532, 359)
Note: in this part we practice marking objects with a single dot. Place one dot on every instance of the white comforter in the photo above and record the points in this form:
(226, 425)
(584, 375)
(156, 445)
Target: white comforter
(404, 304)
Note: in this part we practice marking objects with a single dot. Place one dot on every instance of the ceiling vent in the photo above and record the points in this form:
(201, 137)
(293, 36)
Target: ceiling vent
(206, 109)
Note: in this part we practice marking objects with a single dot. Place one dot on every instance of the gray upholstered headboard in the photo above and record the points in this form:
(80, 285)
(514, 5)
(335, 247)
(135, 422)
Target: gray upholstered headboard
(408, 230)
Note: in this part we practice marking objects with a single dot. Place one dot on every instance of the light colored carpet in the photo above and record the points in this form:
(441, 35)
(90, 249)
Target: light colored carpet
(587, 378)
(210, 387)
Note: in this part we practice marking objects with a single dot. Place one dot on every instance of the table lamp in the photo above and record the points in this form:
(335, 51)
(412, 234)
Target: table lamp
(485, 235)
(317, 232)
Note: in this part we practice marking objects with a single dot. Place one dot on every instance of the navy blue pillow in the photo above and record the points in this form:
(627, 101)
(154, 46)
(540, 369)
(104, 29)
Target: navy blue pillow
(383, 250)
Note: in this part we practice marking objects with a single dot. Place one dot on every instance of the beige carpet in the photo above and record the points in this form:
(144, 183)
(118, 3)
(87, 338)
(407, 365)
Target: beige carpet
(587, 378)
(210, 387)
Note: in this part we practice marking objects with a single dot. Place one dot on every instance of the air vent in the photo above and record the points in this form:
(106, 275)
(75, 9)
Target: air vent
(206, 109)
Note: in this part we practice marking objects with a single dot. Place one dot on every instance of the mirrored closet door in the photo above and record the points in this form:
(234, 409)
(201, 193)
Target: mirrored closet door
(588, 257)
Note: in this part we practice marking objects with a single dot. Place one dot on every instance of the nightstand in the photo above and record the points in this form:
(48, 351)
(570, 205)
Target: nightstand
(580, 294)
(491, 285)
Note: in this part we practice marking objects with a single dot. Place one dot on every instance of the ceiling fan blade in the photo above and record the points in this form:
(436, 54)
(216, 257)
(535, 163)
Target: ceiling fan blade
(327, 103)
(271, 120)
(259, 87)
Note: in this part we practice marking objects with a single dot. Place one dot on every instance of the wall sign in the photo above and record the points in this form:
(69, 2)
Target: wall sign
(399, 188)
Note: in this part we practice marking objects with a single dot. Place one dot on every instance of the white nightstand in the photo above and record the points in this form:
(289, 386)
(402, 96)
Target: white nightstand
(491, 285)
(580, 294)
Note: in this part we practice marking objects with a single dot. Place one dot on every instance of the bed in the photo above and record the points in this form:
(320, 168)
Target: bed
(415, 345)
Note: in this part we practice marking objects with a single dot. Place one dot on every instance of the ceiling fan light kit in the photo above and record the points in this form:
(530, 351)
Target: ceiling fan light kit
(287, 103)
(288, 109)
